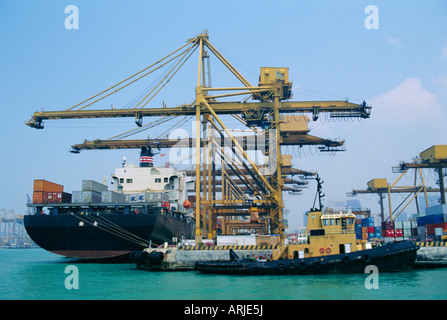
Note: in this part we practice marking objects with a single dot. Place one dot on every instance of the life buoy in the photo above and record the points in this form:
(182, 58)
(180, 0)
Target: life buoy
(294, 241)
(328, 250)
(136, 211)
(321, 250)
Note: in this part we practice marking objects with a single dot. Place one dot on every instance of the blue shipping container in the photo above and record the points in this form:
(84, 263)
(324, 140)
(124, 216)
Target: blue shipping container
(368, 222)
(434, 218)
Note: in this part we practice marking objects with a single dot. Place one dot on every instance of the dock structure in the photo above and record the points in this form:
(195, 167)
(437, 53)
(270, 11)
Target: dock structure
(12, 231)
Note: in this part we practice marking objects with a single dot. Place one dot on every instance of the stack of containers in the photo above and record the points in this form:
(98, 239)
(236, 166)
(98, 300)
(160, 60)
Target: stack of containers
(49, 192)
(91, 192)
(365, 229)
(399, 230)
(434, 222)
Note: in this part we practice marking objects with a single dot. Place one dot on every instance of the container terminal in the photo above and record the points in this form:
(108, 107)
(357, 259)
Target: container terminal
(230, 191)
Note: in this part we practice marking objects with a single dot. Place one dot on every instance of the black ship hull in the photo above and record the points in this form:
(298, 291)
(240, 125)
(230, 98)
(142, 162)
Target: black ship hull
(397, 256)
(99, 236)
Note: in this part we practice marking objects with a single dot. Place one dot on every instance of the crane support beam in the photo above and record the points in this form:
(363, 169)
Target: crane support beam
(335, 108)
(289, 139)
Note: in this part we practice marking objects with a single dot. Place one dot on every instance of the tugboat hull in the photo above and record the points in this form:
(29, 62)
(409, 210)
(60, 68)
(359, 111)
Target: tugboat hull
(391, 257)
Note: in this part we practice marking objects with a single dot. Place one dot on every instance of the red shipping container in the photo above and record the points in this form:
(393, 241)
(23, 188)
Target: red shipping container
(390, 233)
(371, 230)
(47, 197)
(431, 227)
(398, 233)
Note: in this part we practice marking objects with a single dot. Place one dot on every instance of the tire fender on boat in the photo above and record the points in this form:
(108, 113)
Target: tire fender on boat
(281, 266)
(366, 258)
(291, 265)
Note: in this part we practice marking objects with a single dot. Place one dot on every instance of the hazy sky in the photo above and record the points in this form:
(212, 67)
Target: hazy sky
(400, 69)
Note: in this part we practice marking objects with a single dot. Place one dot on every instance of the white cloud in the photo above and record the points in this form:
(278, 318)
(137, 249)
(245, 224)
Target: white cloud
(395, 42)
(407, 104)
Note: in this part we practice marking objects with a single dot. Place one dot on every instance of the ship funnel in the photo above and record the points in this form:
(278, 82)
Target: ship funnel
(146, 157)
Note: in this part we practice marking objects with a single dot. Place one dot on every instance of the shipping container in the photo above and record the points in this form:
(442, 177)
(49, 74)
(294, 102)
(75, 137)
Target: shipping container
(387, 225)
(110, 196)
(76, 197)
(431, 227)
(91, 197)
(364, 229)
(368, 222)
(371, 230)
(46, 186)
(371, 235)
(378, 235)
(414, 231)
(439, 209)
(91, 185)
(398, 225)
(406, 224)
(434, 218)
(398, 233)
(390, 233)
(407, 232)
(86, 197)
(156, 197)
(51, 197)
(414, 224)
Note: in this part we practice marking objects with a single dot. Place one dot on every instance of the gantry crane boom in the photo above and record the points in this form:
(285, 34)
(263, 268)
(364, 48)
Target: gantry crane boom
(291, 139)
(335, 108)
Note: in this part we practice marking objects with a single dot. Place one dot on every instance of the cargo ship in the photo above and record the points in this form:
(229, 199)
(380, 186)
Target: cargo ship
(147, 206)
(331, 246)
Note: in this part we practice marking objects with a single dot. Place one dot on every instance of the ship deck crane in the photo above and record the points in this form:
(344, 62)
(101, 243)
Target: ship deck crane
(272, 96)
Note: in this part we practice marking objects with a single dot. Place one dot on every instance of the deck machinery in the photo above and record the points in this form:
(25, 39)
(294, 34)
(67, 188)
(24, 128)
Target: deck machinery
(275, 120)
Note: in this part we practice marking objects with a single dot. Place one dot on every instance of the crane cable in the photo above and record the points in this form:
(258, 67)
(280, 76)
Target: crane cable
(184, 54)
(128, 78)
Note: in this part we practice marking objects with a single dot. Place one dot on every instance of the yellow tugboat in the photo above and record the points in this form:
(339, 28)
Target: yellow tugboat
(331, 247)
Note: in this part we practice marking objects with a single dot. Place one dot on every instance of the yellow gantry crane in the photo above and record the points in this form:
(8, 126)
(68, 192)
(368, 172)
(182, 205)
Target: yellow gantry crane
(268, 113)
(434, 157)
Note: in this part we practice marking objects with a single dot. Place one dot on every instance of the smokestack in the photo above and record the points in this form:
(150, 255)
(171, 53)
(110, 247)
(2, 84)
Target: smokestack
(146, 157)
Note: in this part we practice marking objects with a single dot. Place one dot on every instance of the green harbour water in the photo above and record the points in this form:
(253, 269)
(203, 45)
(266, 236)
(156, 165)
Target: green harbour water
(35, 274)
